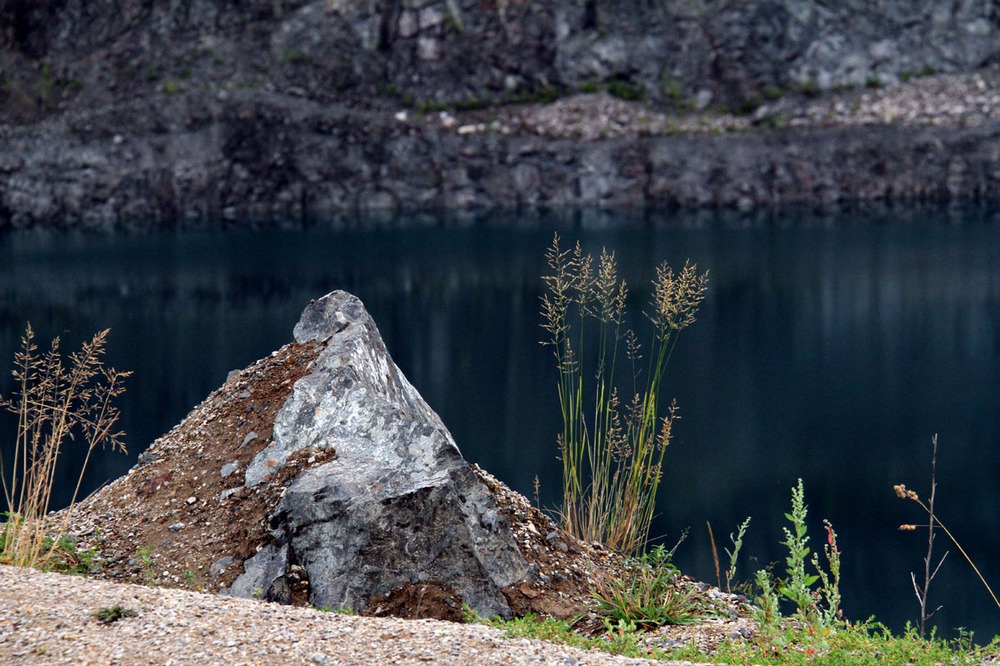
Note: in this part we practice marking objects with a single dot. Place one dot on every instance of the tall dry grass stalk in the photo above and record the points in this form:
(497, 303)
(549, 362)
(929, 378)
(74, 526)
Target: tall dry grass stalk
(612, 455)
(55, 404)
(930, 571)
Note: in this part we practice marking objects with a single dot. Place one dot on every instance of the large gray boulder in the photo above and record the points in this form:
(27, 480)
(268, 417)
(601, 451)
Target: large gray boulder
(397, 505)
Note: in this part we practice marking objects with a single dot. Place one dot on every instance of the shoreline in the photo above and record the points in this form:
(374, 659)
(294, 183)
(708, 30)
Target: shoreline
(190, 159)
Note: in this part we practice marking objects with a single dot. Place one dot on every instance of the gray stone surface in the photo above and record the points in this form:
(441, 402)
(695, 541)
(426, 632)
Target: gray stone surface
(397, 505)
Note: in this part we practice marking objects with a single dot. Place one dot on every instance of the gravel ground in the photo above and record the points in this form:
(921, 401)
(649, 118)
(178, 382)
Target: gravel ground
(964, 100)
(50, 618)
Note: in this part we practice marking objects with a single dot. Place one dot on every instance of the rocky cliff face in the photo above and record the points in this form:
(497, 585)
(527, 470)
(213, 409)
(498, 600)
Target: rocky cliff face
(199, 109)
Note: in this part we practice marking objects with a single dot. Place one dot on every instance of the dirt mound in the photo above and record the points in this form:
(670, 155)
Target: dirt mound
(183, 518)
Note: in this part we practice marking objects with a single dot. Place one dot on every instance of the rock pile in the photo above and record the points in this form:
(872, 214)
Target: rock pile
(397, 506)
(317, 475)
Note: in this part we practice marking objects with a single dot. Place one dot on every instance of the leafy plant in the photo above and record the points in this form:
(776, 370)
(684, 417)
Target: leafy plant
(620, 638)
(350, 611)
(649, 595)
(144, 556)
(797, 586)
(613, 459)
(735, 552)
(111, 614)
(817, 610)
(769, 612)
(68, 558)
(860, 644)
(54, 404)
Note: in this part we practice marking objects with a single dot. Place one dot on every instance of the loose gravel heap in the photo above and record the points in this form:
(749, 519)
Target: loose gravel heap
(180, 523)
(52, 619)
(963, 100)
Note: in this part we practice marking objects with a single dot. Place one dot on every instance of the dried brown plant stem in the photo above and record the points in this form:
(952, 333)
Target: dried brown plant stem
(715, 556)
(55, 404)
(903, 493)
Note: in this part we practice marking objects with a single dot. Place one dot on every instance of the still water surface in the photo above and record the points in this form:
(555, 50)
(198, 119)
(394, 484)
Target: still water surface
(830, 347)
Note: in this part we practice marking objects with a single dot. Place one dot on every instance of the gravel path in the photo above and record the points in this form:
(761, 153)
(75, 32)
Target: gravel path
(50, 619)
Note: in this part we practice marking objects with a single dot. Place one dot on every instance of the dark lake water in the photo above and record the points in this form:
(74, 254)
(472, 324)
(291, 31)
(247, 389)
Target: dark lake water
(831, 347)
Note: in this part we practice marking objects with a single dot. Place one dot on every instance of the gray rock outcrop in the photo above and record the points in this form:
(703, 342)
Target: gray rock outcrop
(397, 505)
(136, 113)
(447, 51)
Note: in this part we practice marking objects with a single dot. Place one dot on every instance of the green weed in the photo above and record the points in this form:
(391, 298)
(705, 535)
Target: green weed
(144, 557)
(619, 639)
(612, 457)
(112, 614)
(649, 595)
(734, 554)
(864, 644)
(68, 558)
(336, 611)
(629, 92)
(797, 587)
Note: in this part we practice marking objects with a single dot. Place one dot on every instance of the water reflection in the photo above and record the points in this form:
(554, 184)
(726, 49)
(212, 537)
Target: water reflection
(830, 347)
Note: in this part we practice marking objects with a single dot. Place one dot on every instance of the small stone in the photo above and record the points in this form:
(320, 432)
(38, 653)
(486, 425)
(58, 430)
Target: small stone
(250, 436)
(489, 519)
(229, 468)
(176, 527)
(220, 565)
(552, 536)
(191, 500)
(528, 591)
